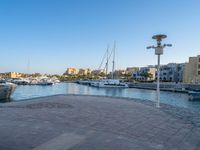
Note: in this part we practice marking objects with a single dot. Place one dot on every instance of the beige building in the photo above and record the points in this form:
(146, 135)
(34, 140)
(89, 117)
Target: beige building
(84, 71)
(97, 72)
(71, 71)
(131, 70)
(192, 70)
(11, 75)
(120, 72)
(145, 74)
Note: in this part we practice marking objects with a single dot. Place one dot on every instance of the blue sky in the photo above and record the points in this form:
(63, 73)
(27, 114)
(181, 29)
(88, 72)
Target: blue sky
(56, 34)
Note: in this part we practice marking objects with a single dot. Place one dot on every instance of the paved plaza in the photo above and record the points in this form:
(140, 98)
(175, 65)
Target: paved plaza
(93, 123)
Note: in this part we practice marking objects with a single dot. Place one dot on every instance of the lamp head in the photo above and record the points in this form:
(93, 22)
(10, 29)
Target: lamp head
(149, 47)
(159, 37)
(169, 45)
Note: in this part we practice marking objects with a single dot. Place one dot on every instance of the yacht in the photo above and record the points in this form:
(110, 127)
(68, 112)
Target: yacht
(21, 81)
(6, 89)
(94, 83)
(45, 81)
(55, 80)
(84, 82)
(111, 83)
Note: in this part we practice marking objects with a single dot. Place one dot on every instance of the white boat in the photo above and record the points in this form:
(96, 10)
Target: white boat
(2, 80)
(6, 89)
(110, 83)
(55, 80)
(94, 83)
(33, 81)
(45, 81)
(84, 82)
(21, 81)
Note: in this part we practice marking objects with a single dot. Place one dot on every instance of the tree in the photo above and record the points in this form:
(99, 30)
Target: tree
(147, 75)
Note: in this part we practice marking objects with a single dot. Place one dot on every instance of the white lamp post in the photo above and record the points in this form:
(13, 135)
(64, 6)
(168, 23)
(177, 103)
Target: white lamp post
(158, 51)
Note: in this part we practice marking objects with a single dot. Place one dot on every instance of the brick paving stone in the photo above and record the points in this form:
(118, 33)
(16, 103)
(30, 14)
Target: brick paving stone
(106, 123)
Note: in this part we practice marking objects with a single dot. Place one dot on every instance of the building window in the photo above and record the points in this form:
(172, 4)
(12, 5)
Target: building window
(199, 59)
(198, 72)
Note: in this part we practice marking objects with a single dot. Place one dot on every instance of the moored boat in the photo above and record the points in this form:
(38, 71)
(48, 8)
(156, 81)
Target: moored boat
(84, 82)
(21, 81)
(194, 95)
(6, 89)
(45, 81)
(111, 83)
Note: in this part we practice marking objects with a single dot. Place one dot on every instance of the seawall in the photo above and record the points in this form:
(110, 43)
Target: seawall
(174, 87)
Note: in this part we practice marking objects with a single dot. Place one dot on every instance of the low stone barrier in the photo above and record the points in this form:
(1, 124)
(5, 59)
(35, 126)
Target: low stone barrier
(176, 87)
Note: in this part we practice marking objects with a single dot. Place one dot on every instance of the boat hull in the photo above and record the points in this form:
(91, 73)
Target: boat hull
(113, 86)
(194, 95)
(109, 83)
(6, 90)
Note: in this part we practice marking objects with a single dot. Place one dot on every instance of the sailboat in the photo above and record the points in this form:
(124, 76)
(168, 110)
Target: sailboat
(110, 83)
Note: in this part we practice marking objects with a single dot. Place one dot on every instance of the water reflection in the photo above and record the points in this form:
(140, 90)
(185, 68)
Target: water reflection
(176, 99)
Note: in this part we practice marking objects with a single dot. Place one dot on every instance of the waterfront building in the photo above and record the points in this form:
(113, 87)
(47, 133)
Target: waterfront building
(192, 70)
(98, 72)
(172, 72)
(36, 75)
(145, 74)
(71, 71)
(131, 70)
(3, 75)
(125, 73)
(120, 72)
(84, 71)
(12, 75)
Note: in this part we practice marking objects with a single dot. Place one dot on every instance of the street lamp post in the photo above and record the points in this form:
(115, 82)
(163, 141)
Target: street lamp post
(158, 51)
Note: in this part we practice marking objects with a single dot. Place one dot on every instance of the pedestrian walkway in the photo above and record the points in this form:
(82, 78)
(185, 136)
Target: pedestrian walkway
(92, 123)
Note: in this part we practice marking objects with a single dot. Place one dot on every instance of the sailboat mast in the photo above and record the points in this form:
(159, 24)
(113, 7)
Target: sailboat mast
(107, 60)
(113, 67)
(28, 66)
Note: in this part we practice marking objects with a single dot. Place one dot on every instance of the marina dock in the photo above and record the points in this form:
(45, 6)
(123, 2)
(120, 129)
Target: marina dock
(77, 122)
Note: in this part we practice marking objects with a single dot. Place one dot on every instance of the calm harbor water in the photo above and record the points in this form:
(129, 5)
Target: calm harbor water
(175, 99)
